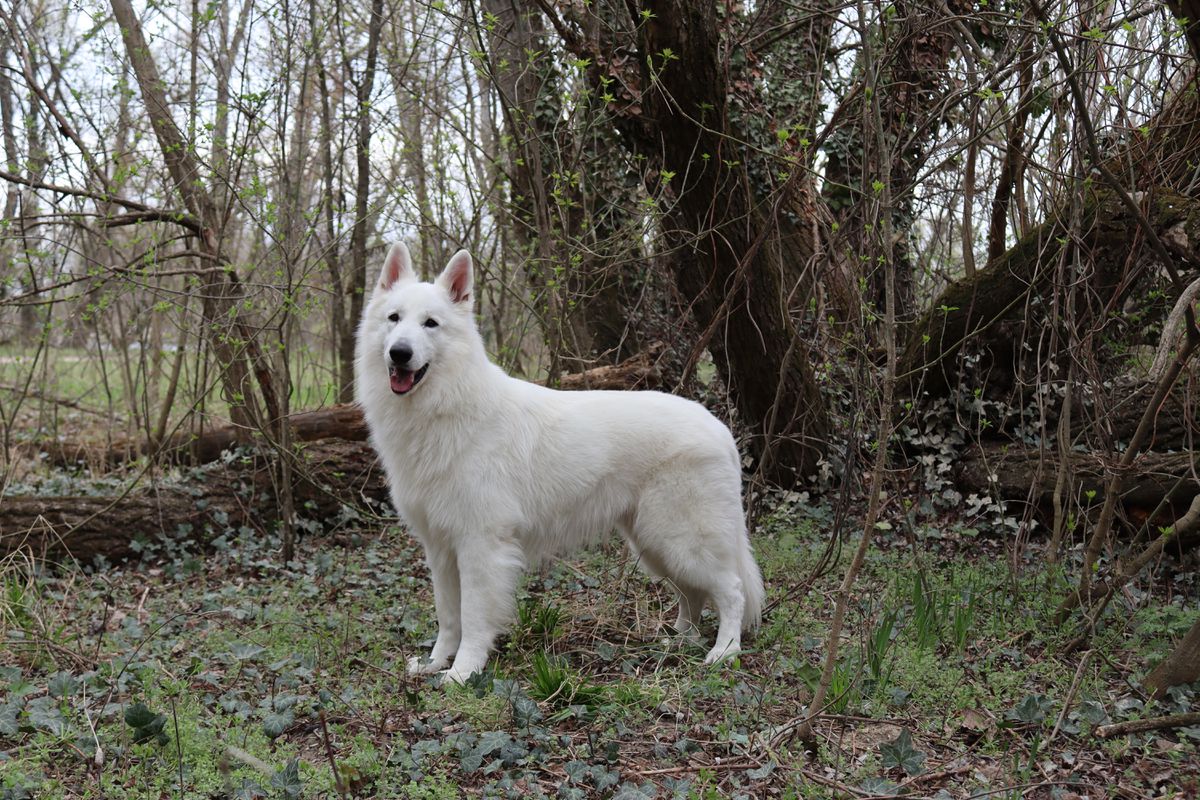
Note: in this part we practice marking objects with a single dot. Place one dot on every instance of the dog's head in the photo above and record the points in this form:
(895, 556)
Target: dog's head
(411, 329)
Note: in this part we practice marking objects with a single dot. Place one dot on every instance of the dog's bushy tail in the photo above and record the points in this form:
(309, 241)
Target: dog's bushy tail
(752, 586)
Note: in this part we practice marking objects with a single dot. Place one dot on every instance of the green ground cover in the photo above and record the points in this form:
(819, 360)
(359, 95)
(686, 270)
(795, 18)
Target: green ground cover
(226, 674)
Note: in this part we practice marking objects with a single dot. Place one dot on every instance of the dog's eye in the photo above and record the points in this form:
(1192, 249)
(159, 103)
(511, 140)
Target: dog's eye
(431, 323)
(393, 317)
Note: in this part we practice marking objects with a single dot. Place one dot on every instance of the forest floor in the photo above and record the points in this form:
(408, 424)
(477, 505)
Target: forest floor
(226, 674)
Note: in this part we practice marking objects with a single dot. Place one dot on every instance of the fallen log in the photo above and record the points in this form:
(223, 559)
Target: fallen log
(1180, 668)
(334, 482)
(1175, 425)
(342, 421)
(1029, 474)
(972, 309)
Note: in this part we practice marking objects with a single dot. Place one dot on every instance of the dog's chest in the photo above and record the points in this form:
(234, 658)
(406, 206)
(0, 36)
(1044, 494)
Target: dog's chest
(431, 467)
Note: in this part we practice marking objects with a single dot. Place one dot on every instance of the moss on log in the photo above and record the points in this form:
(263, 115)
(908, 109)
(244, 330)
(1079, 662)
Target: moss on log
(971, 308)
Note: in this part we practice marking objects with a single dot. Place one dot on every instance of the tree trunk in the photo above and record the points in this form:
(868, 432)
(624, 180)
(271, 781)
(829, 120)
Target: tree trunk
(742, 261)
(1181, 667)
(915, 85)
(224, 318)
(1009, 182)
(745, 268)
(566, 194)
(356, 287)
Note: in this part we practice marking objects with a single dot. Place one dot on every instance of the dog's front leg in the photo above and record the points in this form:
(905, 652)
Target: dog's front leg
(443, 570)
(489, 569)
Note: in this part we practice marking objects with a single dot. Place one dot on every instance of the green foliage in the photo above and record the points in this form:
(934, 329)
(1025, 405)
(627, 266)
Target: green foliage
(260, 650)
(843, 686)
(1032, 710)
(287, 780)
(900, 753)
(146, 725)
(537, 622)
(553, 682)
(878, 644)
(928, 610)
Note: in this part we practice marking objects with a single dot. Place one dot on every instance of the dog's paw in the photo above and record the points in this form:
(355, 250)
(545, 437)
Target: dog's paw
(454, 676)
(420, 666)
(463, 668)
(722, 653)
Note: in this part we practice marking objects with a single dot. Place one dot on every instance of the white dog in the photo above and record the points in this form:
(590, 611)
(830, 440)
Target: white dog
(492, 473)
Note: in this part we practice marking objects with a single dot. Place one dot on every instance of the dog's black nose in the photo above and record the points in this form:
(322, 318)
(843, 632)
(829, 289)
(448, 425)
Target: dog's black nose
(401, 354)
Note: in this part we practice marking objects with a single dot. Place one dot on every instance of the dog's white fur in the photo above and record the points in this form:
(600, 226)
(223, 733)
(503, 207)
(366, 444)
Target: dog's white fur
(492, 473)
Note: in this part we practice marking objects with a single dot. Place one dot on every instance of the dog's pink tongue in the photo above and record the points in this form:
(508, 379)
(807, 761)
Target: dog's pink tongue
(402, 381)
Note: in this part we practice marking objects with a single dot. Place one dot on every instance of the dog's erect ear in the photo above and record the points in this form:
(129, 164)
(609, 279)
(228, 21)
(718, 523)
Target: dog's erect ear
(456, 277)
(397, 265)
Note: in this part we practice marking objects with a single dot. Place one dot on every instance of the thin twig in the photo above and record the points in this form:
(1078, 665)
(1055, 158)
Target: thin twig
(337, 780)
(1083, 662)
(728, 765)
(1152, 724)
(238, 754)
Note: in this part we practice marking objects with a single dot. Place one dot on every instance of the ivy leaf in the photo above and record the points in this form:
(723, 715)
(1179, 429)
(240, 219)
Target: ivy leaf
(525, 712)
(139, 715)
(1092, 712)
(901, 753)
(1181, 696)
(1128, 706)
(275, 723)
(287, 780)
(423, 748)
(63, 684)
(8, 719)
(577, 771)
(605, 779)
(401, 757)
(249, 790)
(491, 741)
(480, 683)
(880, 787)
(235, 705)
(145, 723)
(247, 652)
(685, 745)
(45, 715)
(471, 760)
(1032, 710)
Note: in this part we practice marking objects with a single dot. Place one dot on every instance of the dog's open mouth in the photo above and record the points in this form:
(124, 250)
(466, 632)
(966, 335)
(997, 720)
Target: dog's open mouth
(403, 380)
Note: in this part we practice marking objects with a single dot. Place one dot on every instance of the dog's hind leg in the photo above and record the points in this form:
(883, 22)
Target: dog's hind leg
(730, 601)
(488, 569)
(691, 603)
(443, 569)
(684, 535)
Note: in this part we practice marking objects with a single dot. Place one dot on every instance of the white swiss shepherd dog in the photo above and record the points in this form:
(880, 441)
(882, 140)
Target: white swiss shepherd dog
(492, 473)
